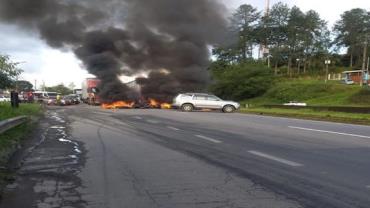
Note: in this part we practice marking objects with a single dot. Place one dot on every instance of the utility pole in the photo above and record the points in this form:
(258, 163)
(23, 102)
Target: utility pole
(327, 63)
(367, 71)
(264, 47)
(364, 63)
(267, 8)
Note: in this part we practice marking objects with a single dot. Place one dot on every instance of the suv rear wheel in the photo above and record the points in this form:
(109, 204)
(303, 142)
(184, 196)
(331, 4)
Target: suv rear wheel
(228, 109)
(187, 107)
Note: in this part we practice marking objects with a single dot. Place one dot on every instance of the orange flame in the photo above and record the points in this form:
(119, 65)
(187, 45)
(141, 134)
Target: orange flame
(166, 106)
(156, 104)
(118, 104)
(153, 103)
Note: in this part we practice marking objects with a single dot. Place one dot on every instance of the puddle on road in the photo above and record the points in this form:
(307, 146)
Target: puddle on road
(62, 134)
(50, 168)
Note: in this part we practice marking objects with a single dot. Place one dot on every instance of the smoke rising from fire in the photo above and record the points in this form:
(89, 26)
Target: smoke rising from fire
(168, 39)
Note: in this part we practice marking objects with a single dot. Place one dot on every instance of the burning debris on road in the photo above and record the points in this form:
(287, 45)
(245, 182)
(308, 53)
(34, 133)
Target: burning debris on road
(167, 40)
(150, 103)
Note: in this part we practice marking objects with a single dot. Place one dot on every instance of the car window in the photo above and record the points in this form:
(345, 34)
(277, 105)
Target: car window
(199, 97)
(213, 98)
(52, 94)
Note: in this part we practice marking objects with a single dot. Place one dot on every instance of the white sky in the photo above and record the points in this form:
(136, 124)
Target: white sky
(51, 66)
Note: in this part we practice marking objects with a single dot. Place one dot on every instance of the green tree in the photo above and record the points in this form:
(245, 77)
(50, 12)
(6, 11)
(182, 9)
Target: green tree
(316, 39)
(61, 88)
(9, 72)
(273, 28)
(352, 31)
(296, 33)
(241, 81)
(23, 85)
(244, 23)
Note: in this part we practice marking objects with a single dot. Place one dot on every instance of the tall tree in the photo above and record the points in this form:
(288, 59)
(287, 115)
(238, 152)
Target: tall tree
(9, 72)
(273, 29)
(316, 37)
(351, 32)
(244, 23)
(296, 33)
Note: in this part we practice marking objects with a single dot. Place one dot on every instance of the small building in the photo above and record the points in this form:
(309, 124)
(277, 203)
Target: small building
(354, 77)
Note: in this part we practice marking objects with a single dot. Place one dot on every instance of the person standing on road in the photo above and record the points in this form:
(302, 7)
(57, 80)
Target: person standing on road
(58, 99)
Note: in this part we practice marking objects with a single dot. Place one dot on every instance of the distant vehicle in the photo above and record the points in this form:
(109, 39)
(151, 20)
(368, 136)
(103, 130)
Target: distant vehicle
(295, 103)
(190, 101)
(76, 98)
(348, 82)
(50, 98)
(43, 96)
(4, 98)
(66, 100)
(73, 99)
(90, 91)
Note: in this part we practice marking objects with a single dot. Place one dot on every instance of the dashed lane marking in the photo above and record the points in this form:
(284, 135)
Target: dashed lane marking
(152, 121)
(173, 128)
(209, 139)
(276, 159)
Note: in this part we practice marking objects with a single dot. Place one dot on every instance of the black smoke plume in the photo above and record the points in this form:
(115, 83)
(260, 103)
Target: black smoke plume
(169, 40)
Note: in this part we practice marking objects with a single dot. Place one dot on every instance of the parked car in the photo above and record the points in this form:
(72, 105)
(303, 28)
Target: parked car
(191, 101)
(4, 98)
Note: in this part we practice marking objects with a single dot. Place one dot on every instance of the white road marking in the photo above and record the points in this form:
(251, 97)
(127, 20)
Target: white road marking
(138, 117)
(152, 121)
(209, 139)
(277, 159)
(173, 128)
(329, 132)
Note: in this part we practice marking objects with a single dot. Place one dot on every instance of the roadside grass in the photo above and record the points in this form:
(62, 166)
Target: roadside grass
(6, 111)
(352, 118)
(313, 92)
(10, 139)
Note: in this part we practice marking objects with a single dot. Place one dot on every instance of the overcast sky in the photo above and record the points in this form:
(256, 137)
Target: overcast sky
(44, 64)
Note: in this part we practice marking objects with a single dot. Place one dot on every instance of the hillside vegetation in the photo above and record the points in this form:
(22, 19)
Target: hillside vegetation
(314, 92)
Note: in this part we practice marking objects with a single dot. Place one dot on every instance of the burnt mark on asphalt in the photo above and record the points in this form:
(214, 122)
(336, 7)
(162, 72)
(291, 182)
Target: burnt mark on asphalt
(47, 176)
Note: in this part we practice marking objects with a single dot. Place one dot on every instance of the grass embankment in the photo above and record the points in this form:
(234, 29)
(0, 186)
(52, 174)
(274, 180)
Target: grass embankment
(13, 136)
(314, 93)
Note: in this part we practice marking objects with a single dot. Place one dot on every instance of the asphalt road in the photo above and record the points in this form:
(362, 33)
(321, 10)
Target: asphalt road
(167, 158)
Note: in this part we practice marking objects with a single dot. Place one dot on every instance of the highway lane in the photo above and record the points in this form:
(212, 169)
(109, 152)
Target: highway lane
(167, 158)
(128, 166)
(320, 164)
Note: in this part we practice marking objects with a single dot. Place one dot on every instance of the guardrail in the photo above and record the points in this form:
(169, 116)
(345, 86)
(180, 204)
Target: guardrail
(11, 123)
(345, 109)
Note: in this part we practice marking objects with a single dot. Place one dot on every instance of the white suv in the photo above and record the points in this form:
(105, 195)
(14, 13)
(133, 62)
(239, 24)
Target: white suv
(190, 101)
